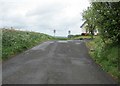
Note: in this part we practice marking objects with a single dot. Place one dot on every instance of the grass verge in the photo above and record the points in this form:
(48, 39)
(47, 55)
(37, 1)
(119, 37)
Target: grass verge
(106, 55)
(15, 41)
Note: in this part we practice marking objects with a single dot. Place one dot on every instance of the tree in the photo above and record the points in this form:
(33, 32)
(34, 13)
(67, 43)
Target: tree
(106, 17)
(88, 15)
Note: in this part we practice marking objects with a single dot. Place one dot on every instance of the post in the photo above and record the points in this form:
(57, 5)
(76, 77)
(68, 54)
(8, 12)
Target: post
(54, 31)
(69, 32)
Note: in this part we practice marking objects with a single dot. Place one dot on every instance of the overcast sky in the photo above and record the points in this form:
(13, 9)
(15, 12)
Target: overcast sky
(43, 15)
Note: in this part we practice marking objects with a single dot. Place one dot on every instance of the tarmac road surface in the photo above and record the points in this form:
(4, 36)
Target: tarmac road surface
(55, 62)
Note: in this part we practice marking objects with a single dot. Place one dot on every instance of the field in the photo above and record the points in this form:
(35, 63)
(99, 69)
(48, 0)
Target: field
(15, 41)
(82, 37)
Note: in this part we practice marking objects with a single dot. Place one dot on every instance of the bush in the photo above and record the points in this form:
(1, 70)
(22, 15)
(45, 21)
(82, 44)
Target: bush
(83, 34)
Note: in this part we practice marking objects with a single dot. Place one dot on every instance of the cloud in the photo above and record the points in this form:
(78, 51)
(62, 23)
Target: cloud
(43, 15)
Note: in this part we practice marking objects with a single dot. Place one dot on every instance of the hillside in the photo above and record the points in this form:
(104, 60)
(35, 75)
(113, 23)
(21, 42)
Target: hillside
(15, 41)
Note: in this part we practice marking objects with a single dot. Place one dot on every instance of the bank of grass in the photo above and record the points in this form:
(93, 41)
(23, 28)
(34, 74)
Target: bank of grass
(106, 55)
(15, 41)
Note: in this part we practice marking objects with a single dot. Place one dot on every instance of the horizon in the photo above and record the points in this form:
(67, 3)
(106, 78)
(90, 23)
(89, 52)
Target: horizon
(43, 16)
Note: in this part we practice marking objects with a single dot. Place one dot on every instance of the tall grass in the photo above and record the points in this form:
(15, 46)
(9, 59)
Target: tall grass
(106, 55)
(15, 41)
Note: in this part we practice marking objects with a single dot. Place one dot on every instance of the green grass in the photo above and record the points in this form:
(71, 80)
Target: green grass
(61, 38)
(15, 41)
(105, 55)
(83, 37)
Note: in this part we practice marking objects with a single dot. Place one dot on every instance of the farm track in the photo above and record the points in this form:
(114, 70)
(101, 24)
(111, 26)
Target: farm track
(55, 62)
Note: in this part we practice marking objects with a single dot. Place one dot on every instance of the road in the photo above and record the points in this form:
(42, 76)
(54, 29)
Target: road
(55, 62)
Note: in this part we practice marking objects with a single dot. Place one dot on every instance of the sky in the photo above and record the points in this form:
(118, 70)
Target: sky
(43, 15)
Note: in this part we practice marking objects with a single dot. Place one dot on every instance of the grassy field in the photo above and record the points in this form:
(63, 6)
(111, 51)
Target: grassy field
(14, 41)
(83, 37)
(106, 55)
(61, 38)
(74, 38)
